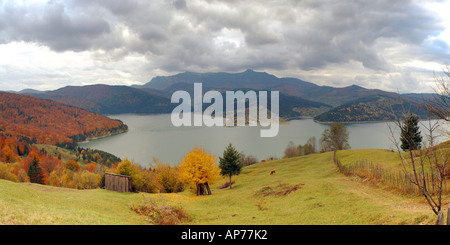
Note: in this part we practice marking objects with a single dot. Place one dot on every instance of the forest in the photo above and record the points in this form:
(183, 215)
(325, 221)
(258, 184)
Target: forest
(27, 121)
(52, 123)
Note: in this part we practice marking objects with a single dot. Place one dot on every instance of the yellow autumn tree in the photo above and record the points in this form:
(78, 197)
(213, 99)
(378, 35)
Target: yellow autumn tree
(200, 168)
(166, 177)
(126, 167)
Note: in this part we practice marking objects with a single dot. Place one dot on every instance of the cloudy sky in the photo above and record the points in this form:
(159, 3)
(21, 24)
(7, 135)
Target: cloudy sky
(391, 45)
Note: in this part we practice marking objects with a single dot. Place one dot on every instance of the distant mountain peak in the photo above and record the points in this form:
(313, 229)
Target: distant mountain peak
(29, 91)
(224, 80)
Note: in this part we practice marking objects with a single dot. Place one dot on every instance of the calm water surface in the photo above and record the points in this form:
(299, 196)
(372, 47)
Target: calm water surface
(154, 136)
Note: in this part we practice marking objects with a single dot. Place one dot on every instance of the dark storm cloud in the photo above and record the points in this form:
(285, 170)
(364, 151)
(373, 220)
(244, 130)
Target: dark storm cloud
(341, 31)
(53, 25)
(198, 35)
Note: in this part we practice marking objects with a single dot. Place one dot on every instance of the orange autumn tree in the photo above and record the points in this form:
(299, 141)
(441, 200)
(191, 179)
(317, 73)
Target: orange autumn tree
(200, 168)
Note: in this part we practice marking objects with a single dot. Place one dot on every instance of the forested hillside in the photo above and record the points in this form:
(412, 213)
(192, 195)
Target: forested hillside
(106, 99)
(49, 122)
(373, 108)
(298, 98)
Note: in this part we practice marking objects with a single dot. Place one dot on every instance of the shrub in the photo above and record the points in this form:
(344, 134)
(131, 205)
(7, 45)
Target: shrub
(291, 150)
(161, 214)
(86, 180)
(166, 177)
(247, 160)
(126, 167)
(54, 179)
(226, 185)
(5, 172)
(22, 176)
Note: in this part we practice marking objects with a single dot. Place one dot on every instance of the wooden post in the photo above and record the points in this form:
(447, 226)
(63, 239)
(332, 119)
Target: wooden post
(448, 214)
(440, 219)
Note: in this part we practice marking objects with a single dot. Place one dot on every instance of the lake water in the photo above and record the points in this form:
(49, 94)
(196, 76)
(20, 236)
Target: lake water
(154, 136)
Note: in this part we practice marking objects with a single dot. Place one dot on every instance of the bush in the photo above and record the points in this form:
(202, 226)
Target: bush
(166, 178)
(86, 180)
(226, 185)
(54, 179)
(22, 176)
(291, 150)
(161, 214)
(247, 160)
(6, 173)
(126, 167)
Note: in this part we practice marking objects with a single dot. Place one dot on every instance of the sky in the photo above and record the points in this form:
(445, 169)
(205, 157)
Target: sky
(396, 46)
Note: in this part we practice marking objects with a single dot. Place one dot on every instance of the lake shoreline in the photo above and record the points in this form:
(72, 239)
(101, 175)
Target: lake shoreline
(353, 122)
(154, 136)
(283, 121)
(100, 137)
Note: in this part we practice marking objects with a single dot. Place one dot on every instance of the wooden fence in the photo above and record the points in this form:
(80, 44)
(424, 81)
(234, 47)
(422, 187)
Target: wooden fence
(394, 178)
(441, 217)
(117, 182)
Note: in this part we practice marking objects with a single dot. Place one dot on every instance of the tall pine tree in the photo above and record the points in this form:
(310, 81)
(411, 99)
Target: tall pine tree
(35, 171)
(410, 134)
(229, 163)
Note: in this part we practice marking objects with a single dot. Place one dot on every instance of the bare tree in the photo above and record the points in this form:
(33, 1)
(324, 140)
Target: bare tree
(425, 168)
(335, 138)
(291, 150)
(440, 104)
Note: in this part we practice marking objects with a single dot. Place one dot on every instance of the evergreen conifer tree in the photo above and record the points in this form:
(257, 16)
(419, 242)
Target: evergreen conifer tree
(35, 171)
(230, 163)
(410, 134)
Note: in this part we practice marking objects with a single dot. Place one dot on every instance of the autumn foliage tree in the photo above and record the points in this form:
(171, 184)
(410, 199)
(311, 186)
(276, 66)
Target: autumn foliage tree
(199, 167)
(140, 179)
(166, 177)
(73, 165)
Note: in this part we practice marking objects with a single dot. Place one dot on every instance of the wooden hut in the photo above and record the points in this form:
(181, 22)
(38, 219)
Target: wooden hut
(117, 182)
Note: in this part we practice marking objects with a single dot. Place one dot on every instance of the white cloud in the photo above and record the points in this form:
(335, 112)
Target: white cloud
(374, 44)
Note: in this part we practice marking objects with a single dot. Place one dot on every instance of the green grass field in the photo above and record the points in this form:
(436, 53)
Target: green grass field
(304, 190)
(55, 151)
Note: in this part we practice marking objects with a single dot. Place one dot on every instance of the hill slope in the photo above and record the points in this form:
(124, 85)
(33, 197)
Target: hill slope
(226, 81)
(299, 95)
(106, 99)
(51, 122)
(262, 81)
(372, 108)
(321, 196)
(300, 98)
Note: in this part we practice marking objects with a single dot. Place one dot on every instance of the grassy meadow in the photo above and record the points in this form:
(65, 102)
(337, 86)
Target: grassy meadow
(304, 190)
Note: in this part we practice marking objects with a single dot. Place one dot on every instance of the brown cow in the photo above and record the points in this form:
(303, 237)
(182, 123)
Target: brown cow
(273, 171)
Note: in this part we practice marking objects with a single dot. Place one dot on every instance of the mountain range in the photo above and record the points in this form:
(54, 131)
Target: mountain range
(298, 98)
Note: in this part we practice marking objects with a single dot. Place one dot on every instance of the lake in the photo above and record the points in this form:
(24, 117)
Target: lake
(154, 136)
